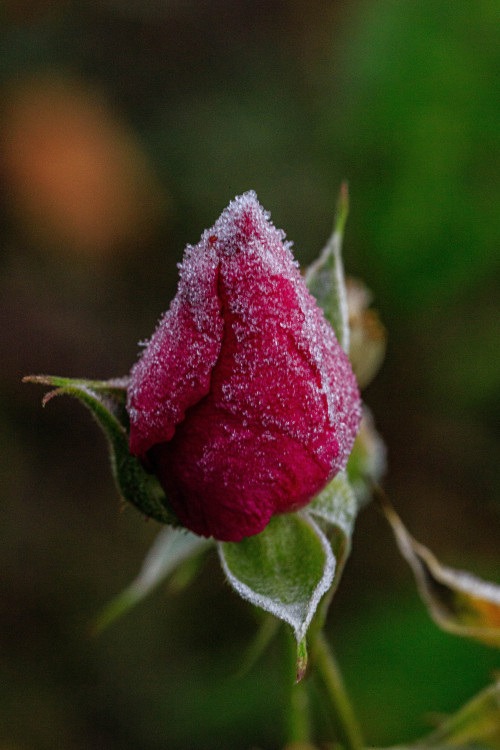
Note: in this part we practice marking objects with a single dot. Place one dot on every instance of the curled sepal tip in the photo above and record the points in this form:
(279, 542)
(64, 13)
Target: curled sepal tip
(106, 401)
(301, 660)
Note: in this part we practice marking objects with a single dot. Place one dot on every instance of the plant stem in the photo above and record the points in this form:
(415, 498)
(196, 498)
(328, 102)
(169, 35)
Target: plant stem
(328, 671)
(299, 727)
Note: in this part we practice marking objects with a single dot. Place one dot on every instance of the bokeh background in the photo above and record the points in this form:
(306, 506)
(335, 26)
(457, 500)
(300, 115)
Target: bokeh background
(126, 126)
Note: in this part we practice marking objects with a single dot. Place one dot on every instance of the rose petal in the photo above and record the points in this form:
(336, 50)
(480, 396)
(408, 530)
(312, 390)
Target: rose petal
(175, 368)
(276, 417)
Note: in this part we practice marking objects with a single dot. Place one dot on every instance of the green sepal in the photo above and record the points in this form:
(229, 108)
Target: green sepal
(284, 570)
(325, 277)
(336, 505)
(171, 548)
(106, 401)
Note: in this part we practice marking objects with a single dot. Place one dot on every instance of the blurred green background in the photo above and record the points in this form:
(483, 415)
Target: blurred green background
(126, 126)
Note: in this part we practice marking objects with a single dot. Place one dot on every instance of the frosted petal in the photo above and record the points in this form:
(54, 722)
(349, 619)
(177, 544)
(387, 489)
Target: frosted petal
(175, 368)
(271, 413)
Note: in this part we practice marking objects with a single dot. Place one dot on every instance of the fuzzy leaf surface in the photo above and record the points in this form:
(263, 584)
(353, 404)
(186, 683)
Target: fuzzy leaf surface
(284, 570)
(336, 505)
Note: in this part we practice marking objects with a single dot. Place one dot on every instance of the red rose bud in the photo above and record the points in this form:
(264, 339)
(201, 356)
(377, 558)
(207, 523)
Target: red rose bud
(243, 401)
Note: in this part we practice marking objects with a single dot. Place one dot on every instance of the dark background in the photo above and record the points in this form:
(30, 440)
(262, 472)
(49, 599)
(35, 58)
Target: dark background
(126, 126)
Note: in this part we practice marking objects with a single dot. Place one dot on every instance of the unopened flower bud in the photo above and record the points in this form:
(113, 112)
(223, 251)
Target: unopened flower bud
(243, 401)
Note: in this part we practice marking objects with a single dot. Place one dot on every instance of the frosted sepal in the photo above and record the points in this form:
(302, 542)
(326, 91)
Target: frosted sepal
(285, 570)
(106, 401)
(171, 548)
(325, 277)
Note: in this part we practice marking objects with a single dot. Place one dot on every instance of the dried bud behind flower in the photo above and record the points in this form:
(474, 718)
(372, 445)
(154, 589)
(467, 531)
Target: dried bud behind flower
(368, 335)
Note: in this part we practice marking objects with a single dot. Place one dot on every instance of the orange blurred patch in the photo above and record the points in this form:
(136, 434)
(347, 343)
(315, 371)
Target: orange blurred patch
(489, 612)
(76, 178)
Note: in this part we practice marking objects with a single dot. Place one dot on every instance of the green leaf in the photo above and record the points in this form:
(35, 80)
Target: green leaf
(284, 570)
(325, 277)
(457, 601)
(170, 548)
(106, 401)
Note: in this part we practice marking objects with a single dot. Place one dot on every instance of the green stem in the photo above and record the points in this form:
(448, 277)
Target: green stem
(328, 672)
(299, 726)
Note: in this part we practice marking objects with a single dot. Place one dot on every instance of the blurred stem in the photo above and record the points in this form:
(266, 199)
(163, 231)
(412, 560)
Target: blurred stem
(299, 727)
(328, 672)
(265, 634)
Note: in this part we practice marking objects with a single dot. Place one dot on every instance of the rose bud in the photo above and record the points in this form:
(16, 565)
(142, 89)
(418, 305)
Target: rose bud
(243, 401)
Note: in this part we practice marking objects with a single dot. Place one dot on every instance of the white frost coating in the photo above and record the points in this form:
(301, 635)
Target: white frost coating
(316, 331)
(195, 268)
(469, 584)
(185, 346)
(300, 613)
(228, 234)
